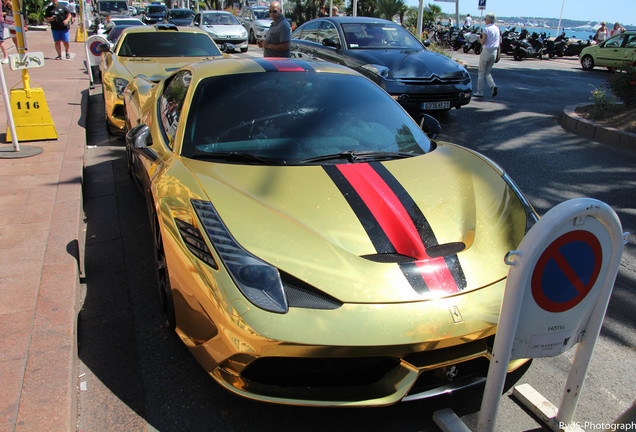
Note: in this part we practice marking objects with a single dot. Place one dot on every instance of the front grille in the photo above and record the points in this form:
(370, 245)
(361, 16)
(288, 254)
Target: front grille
(118, 112)
(466, 350)
(439, 377)
(319, 372)
(428, 81)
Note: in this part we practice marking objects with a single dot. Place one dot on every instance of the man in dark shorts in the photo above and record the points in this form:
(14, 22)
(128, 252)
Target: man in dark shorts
(59, 17)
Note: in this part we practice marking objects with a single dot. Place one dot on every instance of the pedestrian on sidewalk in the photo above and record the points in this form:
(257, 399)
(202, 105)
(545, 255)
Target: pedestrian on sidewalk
(9, 22)
(5, 58)
(59, 17)
(490, 40)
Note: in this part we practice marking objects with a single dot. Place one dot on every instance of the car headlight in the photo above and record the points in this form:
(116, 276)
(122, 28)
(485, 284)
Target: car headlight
(120, 85)
(259, 281)
(261, 28)
(379, 70)
(243, 33)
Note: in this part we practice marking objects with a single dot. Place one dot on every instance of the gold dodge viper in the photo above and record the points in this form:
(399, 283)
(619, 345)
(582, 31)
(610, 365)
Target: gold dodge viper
(313, 245)
(154, 51)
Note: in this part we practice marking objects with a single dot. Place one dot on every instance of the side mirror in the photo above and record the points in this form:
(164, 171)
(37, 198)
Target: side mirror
(328, 42)
(139, 137)
(430, 126)
(103, 47)
(426, 42)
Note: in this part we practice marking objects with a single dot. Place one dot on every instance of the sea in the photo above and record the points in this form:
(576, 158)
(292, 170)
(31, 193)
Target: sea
(552, 32)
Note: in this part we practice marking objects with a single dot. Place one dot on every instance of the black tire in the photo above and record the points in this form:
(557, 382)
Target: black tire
(252, 38)
(478, 49)
(518, 57)
(587, 62)
(244, 49)
(163, 279)
(466, 49)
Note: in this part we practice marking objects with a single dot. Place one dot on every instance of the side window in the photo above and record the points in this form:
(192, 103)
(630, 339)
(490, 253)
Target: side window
(328, 31)
(613, 43)
(631, 42)
(308, 32)
(171, 102)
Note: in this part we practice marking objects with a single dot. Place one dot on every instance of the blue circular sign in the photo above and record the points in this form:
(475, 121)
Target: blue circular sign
(566, 271)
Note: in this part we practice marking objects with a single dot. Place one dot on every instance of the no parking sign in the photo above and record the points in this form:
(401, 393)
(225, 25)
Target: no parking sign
(558, 288)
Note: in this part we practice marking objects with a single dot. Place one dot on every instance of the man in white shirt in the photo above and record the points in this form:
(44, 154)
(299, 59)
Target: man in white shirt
(468, 21)
(490, 40)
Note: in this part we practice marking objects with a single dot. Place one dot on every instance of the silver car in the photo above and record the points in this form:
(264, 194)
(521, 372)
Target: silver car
(256, 21)
(223, 27)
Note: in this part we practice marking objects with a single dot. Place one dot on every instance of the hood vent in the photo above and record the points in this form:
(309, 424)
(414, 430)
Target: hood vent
(436, 251)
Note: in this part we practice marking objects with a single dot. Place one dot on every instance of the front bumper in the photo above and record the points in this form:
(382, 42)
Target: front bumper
(413, 97)
(356, 355)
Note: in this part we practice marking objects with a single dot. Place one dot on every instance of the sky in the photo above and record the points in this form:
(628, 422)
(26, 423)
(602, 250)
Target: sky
(623, 11)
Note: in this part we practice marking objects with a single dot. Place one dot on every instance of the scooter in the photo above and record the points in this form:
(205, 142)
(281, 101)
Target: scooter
(472, 40)
(575, 48)
(529, 47)
(508, 37)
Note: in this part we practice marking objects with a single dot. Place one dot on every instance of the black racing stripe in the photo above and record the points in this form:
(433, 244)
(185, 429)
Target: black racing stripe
(413, 274)
(265, 64)
(419, 220)
(373, 229)
(270, 66)
(421, 223)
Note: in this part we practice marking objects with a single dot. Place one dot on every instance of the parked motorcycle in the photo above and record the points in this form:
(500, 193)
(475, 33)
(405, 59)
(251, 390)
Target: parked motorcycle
(531, 46)
(458, 39)
(574, 48)
(509, 36)
(472, 40)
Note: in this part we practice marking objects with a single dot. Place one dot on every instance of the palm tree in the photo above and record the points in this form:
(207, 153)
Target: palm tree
(387, 9)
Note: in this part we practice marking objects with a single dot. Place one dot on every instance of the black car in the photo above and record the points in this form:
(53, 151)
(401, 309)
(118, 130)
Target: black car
(155, 13)
(180, 17)
(420, 79)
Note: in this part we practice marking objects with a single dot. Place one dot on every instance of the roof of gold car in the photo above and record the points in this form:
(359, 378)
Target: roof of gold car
(229, 66)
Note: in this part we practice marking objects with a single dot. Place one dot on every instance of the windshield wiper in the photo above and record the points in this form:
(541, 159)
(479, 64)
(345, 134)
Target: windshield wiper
(358, 156)
(234, 156)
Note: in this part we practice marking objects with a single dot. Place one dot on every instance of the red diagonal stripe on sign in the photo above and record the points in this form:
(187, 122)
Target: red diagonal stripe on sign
(565, 267)
(389, 212)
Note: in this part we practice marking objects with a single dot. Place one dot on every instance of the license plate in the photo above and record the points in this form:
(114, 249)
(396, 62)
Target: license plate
(435, 105)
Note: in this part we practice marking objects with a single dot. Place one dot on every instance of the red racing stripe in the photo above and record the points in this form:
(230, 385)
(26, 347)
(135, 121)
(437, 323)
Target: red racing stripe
(285, 65)
(396, 223)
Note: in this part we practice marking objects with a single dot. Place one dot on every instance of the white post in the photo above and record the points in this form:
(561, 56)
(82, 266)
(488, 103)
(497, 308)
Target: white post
(560, 16)
(420, 13)
(7, 105)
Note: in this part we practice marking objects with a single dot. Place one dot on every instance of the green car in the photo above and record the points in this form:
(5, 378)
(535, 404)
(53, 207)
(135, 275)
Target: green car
(611, 53)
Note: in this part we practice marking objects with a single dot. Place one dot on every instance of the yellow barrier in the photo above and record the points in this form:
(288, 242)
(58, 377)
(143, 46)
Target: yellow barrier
(31, 116)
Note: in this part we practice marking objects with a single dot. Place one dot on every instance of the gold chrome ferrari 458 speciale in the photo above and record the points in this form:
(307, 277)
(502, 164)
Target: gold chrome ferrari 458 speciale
(314, 245)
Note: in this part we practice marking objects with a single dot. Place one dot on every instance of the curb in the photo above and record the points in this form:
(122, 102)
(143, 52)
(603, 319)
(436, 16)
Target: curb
(573, 122)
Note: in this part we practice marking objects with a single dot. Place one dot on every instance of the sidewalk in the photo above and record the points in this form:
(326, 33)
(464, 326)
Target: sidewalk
(40, 240)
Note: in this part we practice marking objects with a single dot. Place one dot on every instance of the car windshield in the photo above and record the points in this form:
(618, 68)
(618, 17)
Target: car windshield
(179, 14)
(167, 43)
(219, 19)
(378, 35)
(296, 118)
(261, 13)
(115, 32)
(113, 6)
(157, 9)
